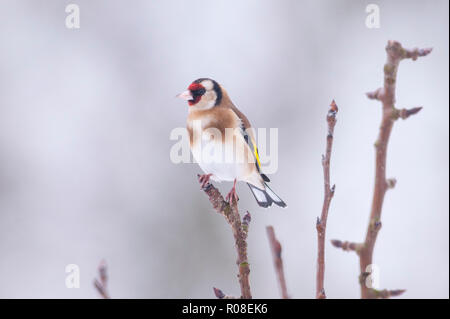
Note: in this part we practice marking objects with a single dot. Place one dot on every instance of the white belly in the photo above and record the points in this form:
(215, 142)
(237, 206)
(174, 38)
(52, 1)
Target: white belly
(214, 158)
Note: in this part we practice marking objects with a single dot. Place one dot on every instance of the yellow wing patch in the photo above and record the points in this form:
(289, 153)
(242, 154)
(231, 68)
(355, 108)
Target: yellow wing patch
(255, 151)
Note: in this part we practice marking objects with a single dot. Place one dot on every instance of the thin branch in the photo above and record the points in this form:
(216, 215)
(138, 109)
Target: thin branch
(277, 260)
(346, 245)
(321, 224)
(375, 95)
(395, 54)
(220, 294)
(405, 113)
(385, 294)
(102, 283)
(240, 230)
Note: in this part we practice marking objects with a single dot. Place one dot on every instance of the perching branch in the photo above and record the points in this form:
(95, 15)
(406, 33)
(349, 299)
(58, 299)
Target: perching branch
(321, 224)
(277, 260)
(101, 285)
(240, 231)
(395, 54)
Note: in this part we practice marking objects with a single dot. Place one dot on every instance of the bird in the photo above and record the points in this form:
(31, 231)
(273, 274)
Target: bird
(222, 142)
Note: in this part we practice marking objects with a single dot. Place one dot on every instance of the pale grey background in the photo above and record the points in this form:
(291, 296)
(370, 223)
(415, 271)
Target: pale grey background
(85, 117)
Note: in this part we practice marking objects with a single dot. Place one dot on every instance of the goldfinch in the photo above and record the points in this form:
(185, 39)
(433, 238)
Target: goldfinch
(222, 141)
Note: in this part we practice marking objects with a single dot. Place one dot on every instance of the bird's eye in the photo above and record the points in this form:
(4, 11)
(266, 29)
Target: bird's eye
(198, 92)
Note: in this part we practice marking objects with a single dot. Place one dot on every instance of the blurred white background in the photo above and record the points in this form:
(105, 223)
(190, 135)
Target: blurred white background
(85, 118)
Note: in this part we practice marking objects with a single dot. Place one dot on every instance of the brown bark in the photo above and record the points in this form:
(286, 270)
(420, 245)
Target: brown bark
(321, 224)
(386, 95)
(395, 54)
(277, 260)
(240, 231)
(102, 283)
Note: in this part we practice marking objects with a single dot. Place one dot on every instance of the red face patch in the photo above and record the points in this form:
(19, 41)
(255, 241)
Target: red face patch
(195, 86)
(197, 90)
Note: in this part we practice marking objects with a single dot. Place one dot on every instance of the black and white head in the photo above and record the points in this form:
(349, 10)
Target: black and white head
(202, 94)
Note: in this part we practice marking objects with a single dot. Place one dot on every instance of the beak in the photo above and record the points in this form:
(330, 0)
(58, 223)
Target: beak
(186, 95)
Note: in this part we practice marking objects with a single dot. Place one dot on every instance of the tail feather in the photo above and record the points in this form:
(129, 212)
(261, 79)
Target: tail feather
(266, 197)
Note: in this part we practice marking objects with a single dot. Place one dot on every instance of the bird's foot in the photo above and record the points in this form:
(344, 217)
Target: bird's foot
(232, 194)
(204, 180)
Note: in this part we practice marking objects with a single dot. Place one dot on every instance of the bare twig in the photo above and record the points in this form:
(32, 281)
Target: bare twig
(220, 295)
(231, 214)
(321, 224)
(346, 245)
(395, 54)
(385, 294)
(277, 260)
(405, 113)
(102, 283)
